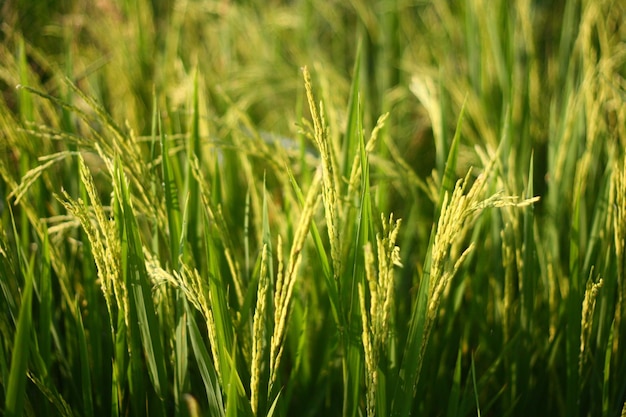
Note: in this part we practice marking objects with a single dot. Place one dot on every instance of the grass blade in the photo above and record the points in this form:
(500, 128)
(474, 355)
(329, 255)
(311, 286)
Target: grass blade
(85, 373)
(171, 198)
(16, 386)
(353, 360)
(455, 391)
(354, 129)
(45, 309)
(194, 153)
(475, 386)
(140, 291)
(206, 368)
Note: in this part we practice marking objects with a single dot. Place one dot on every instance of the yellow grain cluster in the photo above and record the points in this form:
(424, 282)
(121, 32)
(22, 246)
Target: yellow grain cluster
(355, 174)
(617, 214)
(196, 291)
(258, 331)
(375, 320)
(286, 279)
(589, 305)
(458, 212)
(104, 240)
(329, 175)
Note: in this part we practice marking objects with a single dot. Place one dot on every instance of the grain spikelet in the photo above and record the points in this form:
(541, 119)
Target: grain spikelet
(105, 245)
(258, 332)
(589, 305)
(194, 287)
(458, 212)
(286, 279)
(331, 186)
(375, 335)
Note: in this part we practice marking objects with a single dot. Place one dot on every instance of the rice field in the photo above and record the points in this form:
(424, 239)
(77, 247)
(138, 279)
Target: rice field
(306, 208)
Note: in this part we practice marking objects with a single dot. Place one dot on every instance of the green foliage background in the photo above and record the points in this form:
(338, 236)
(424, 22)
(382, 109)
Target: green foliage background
(200, 201)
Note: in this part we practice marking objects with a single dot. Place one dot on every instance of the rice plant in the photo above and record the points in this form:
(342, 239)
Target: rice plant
(388, 208)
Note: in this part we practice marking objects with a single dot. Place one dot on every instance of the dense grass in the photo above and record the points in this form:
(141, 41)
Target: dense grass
(313, 208)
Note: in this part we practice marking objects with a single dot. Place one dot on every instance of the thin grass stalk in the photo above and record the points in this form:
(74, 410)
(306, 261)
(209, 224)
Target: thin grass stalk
(16, 384)
(363, 229)
(194, 154)
(85, 374)
(171, 197)
(214, 219)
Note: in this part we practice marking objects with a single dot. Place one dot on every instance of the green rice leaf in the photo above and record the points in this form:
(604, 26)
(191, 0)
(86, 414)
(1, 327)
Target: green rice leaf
(140, 290)
(218, 293)
(529, 256)
(475, 387)
(45, 309)
(455, 391)
(331, 284)
(171, 198)
(194, 152)
(606, 380)
(181, 349)
(353, 362)
(51, 394)
(85, 372)
(354, 129)
(449, 174)
(206, 368)
(235, 407)
(16, 384)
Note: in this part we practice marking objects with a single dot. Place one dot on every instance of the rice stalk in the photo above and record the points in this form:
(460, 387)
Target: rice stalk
(355, 174)
(258, 332)
(588, 309)
(32, 175)
(196, 291)
(371, 381)
(216, 218)
(102, 234)
(459, 211)
(16, 383)
(376, 330)
(617, 213)
(286, 279)
(330, 189)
